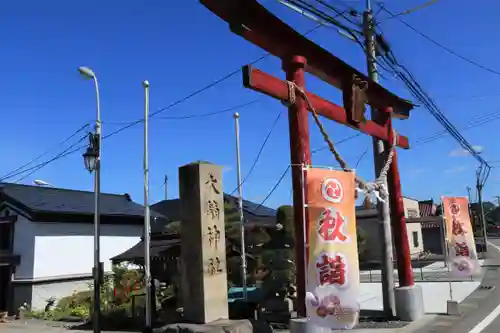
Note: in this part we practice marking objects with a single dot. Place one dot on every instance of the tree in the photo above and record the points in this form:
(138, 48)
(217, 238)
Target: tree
(284, 216)
(490, 214)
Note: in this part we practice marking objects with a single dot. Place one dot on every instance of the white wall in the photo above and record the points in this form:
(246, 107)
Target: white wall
(24, 245)
(51, 249)
(410, 229)
(411, 204)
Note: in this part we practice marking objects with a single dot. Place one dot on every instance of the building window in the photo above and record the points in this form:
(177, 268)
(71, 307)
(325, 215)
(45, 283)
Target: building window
(415, 238)
(412, 213)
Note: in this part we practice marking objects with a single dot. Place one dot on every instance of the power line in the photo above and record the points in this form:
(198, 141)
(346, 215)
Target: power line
(215, 113)
(80, 129)
(127, 126)
(196, 92)
(474, 122)
(202, 115)
(361, 158)
(447, 49)
(70, 151)
(409, 11)
(256, 160)
(470, 96)
(34, 169)
(352, 12)
(273, 189)
(322, 17)
(280, 179)
(416, 90)
(314, 151)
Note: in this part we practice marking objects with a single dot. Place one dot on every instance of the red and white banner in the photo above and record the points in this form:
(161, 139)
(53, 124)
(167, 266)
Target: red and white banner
(462, 254)
(332, 259)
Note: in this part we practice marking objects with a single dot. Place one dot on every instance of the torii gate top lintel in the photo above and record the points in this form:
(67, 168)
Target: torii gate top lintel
(252, 21)
(274, 87)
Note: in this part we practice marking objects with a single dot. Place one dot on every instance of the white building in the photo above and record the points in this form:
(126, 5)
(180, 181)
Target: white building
(46, 240)
(368, 221)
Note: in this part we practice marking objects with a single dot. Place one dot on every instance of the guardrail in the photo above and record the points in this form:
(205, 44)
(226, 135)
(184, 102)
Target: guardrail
(425, 269)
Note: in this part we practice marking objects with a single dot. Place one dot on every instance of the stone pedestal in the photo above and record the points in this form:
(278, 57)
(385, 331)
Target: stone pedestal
(409, 303)
(203, 249)
(303, 325)
(452, 308)
(219, 326)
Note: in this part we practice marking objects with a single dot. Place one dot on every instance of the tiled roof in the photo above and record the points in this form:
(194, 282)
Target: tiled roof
(38, 199)
(427, 208)
(252, 212)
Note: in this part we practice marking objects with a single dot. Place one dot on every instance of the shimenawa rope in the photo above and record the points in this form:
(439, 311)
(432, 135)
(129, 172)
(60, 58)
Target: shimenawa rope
(377, 186)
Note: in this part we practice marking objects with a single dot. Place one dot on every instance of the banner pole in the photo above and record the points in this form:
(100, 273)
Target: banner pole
(306, 227)
(446, 248)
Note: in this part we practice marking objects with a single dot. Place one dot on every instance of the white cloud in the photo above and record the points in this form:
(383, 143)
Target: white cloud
(462, 152)
(417, 171)
(227, 169)
(455, 169)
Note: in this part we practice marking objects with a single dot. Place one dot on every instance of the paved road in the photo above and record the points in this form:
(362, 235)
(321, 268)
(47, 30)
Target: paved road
(491, 323)
(494, 240)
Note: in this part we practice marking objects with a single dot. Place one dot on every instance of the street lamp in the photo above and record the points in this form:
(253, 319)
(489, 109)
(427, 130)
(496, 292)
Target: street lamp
(92, 160)
(39, 182)
(91, 155)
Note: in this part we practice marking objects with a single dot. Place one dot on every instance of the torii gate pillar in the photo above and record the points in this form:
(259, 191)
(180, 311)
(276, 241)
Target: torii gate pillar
(300, 154)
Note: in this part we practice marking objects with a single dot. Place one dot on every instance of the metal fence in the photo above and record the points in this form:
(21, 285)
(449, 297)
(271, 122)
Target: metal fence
(426, 268)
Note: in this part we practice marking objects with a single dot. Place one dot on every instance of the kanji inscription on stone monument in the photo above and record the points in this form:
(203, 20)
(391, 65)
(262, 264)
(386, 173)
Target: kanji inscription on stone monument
(203, 245)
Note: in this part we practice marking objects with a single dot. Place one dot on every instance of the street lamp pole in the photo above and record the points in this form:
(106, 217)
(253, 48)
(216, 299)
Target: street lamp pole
(147, 222)
(240, 208)
(96, 140)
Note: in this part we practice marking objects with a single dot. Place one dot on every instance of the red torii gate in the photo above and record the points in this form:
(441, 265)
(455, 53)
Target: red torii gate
(253, 22)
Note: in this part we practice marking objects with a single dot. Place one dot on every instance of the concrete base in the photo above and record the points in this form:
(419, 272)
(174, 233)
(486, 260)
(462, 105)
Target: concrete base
(409, 303)
(452, 308)
(302, 325)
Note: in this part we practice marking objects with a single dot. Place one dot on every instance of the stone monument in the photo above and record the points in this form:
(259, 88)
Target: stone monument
(203, 249)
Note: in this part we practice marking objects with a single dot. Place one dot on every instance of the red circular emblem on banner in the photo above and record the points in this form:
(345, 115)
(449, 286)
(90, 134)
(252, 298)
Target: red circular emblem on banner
(332, 190)
(454, 209)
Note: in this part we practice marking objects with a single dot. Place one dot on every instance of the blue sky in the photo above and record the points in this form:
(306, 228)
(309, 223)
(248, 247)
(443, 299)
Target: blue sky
(179, 46)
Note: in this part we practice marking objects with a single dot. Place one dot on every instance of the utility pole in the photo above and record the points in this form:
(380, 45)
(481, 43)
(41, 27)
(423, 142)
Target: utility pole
(379, 157)
(498, 199)
(479, 187)
(165, 183)
(472, 216)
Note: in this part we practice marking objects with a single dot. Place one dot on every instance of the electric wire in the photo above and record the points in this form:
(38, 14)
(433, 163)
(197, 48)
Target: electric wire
(70, 151)
(408, 11)
(138, 121)
(45, 153)
(275, 187)
(355, 34)
(261, 149)
(324, 16)
(314, 151)
(416, 90)
(202, 115)
(41, 165)
(341, 13)
(472, 123)
(280, 179)
(447, 49)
